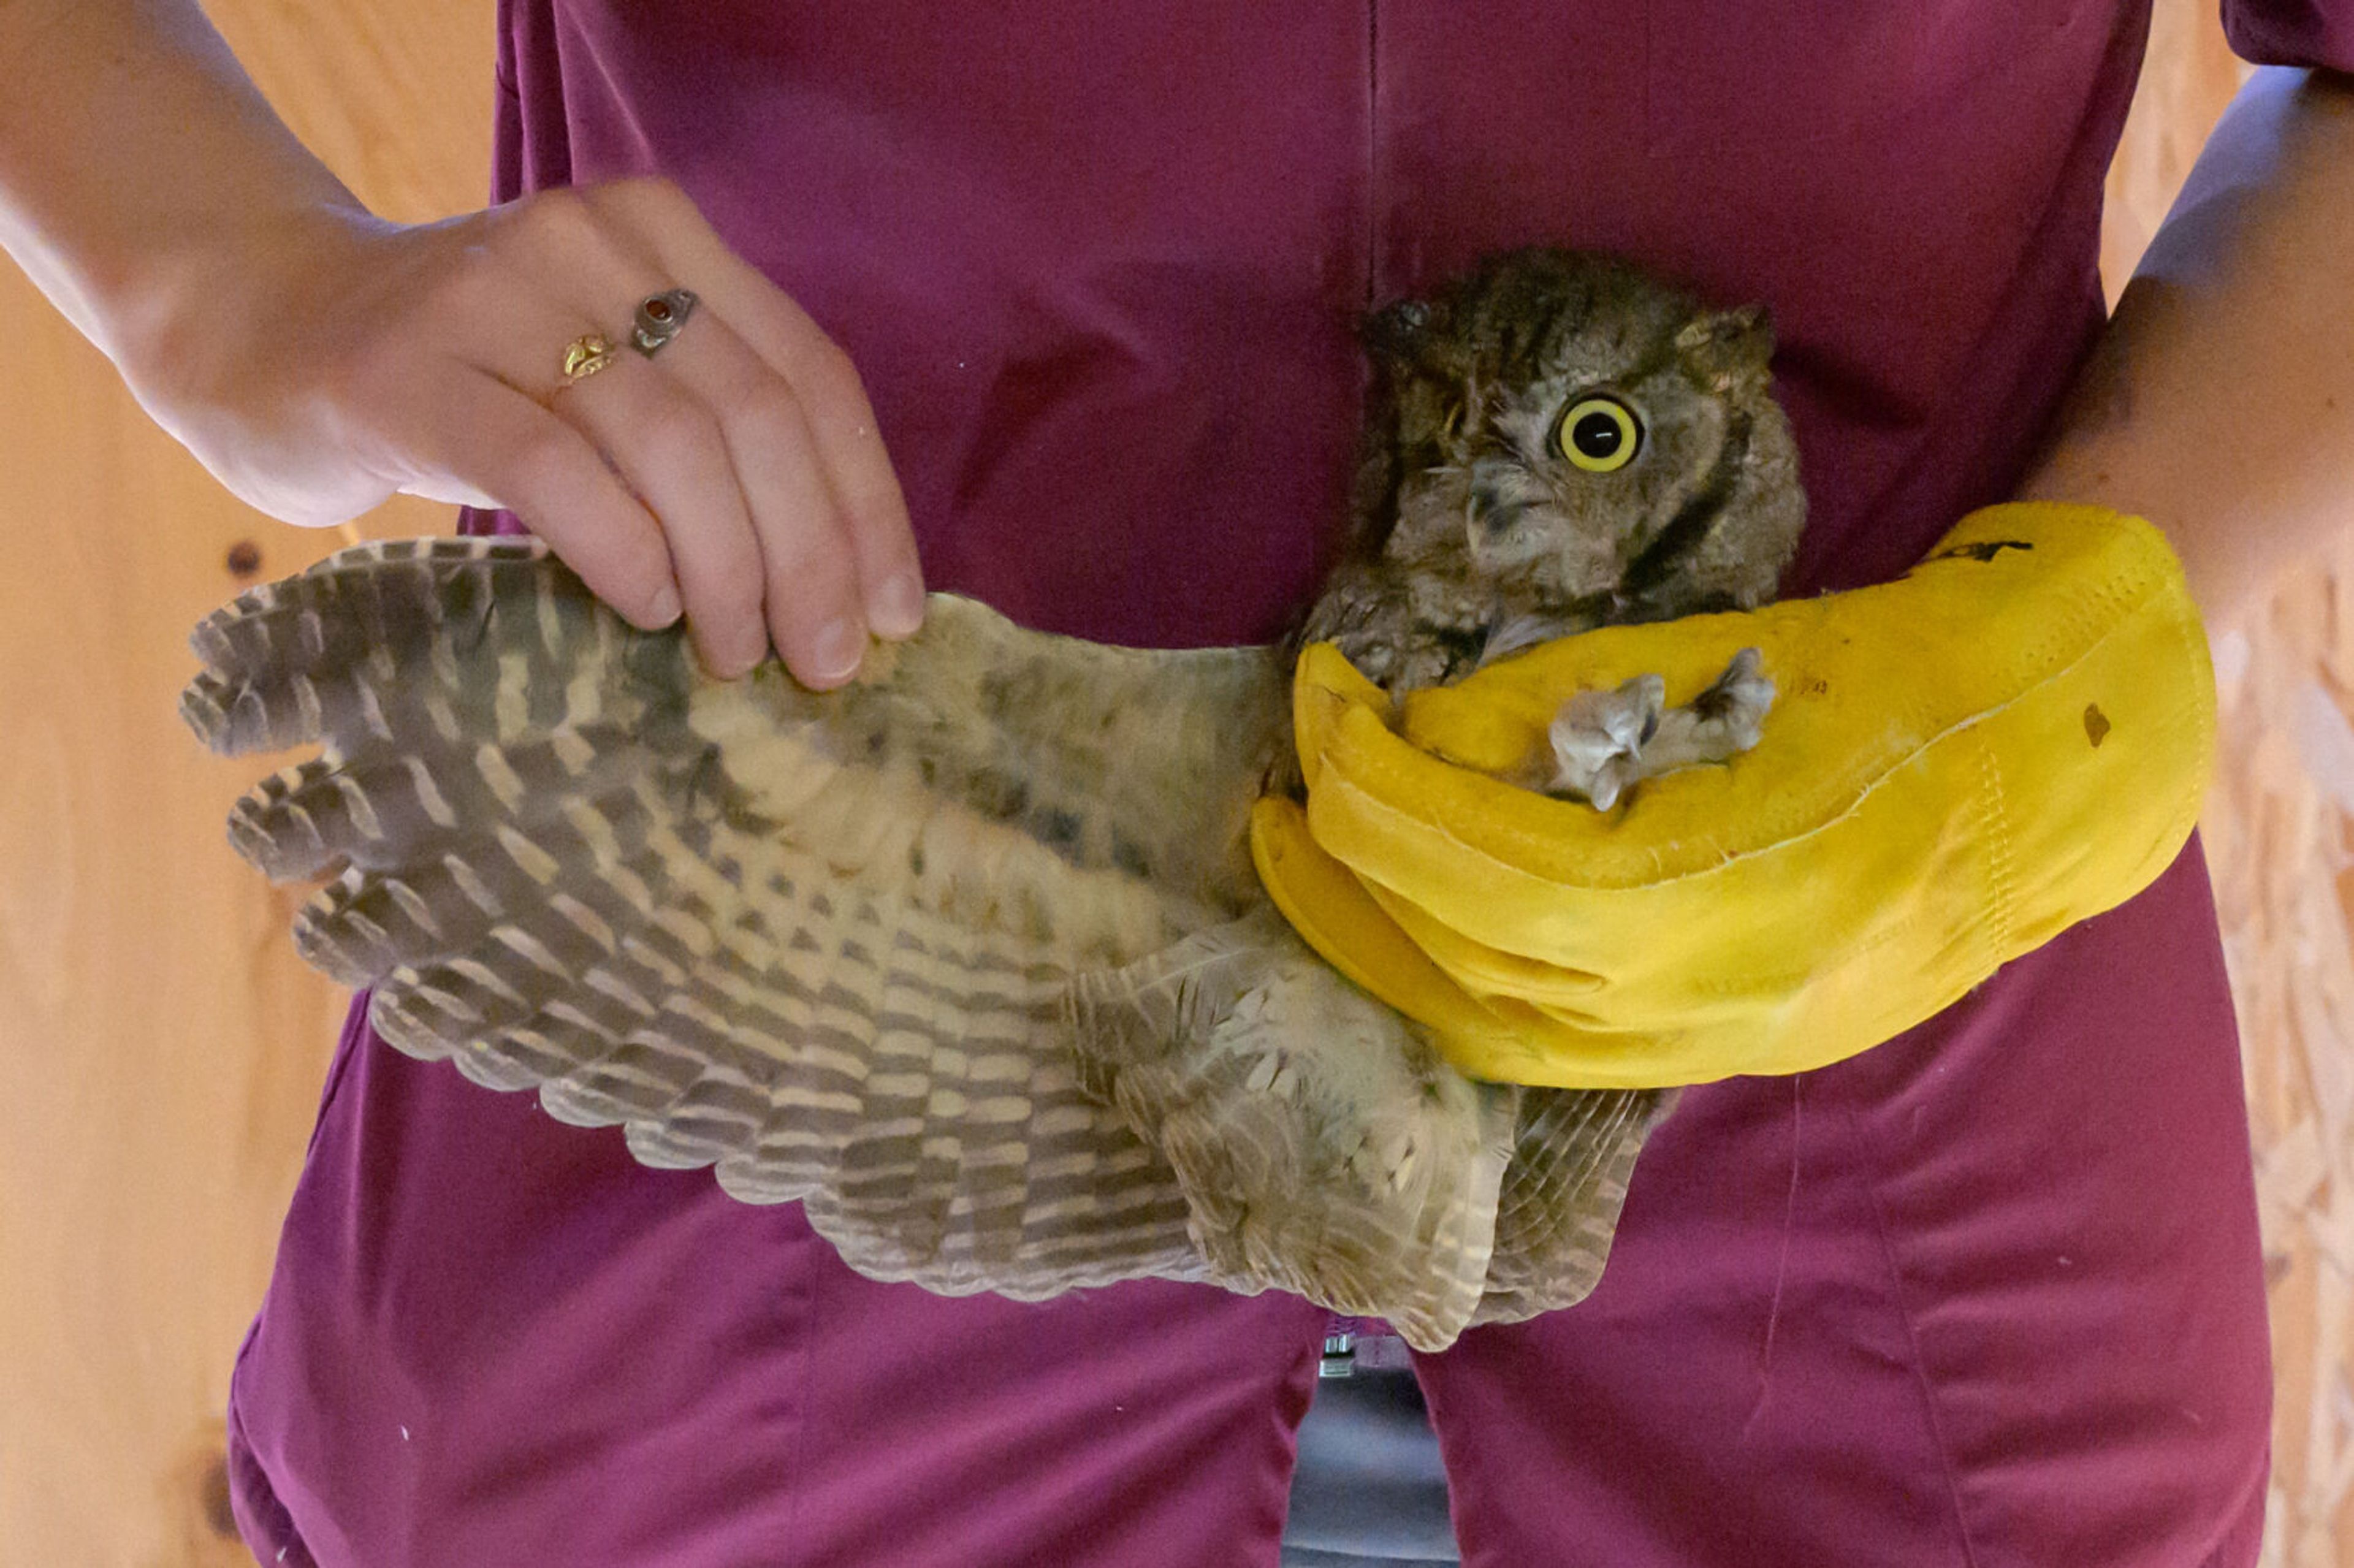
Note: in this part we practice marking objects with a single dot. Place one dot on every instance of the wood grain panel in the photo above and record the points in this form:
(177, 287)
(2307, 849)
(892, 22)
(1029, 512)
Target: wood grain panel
(161, 1047)
(2279, 831)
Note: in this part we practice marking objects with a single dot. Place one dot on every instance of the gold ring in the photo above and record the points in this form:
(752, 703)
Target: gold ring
(586, 356)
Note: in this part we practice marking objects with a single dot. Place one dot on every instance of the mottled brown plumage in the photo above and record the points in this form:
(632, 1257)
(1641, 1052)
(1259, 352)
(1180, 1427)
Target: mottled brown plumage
(969, 957)
(1477, 529)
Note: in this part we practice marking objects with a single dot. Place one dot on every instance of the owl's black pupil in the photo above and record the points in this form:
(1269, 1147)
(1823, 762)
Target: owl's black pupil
(1598, 436)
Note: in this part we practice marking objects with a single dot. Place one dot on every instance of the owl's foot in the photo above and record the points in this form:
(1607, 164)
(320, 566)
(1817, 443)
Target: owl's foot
(1604, 743)
(1599, 738)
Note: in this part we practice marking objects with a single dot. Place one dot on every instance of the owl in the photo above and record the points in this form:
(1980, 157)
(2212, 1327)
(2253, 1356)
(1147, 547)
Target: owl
(968, 957)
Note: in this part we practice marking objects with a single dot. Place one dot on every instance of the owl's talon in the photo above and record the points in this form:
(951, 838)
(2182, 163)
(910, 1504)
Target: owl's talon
(1737, 699)
(1604, 743)
(1598, 738)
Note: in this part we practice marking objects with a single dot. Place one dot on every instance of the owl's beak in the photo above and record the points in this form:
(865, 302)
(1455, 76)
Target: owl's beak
(1488, 512)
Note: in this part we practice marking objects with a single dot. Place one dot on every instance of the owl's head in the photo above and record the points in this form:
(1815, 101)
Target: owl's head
(1583, 440)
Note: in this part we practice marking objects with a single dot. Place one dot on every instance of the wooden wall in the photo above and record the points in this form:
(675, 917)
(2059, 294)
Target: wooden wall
(2279, 831)
(161, 1048)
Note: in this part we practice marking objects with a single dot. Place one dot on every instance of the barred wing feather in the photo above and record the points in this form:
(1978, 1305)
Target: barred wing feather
(966, 957)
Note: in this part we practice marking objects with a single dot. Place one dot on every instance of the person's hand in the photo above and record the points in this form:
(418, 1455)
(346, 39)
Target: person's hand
(1959, 765)
(737, 473)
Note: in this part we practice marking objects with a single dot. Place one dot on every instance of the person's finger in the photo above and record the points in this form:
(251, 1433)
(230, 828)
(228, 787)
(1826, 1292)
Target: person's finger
(506, 282)
(714, 444)
(842, 423)
(510, 451)
(833, 401)
(727, 467)
(669, 451)
(808, 562)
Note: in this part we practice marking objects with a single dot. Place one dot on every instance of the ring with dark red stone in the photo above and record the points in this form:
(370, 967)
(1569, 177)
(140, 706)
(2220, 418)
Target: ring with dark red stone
(659, 318)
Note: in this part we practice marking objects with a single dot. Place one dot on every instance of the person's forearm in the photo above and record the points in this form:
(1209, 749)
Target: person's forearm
(135, 156)
(2221, 402)
(317, 359)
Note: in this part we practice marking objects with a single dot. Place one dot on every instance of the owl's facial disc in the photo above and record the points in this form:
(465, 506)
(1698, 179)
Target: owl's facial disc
(1573, 445)
(1666, 556)
(1551, 495)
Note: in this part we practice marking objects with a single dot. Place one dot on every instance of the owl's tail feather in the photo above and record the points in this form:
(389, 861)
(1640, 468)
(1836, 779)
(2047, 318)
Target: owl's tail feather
(1573, 1153)
(1322, 1145)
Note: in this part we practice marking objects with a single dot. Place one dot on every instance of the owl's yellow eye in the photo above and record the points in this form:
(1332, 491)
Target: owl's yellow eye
(1599, 434)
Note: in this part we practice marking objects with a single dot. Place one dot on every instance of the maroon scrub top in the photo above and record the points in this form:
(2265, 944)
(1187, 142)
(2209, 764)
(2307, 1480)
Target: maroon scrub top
(1988, 1295)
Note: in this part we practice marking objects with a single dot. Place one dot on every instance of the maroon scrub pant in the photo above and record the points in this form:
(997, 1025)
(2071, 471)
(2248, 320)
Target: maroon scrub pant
(1937, 1304)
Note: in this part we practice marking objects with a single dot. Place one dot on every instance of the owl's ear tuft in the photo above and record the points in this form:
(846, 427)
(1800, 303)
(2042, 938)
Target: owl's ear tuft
(1397, 331)
(1729, 348)
(1411, 338)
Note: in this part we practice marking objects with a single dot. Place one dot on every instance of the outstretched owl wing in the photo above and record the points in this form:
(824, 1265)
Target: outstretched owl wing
(820, 943)
(968, 955)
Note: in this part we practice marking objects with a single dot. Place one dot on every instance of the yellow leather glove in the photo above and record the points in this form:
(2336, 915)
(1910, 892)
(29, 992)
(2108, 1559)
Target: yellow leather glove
(1957, 766)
